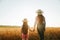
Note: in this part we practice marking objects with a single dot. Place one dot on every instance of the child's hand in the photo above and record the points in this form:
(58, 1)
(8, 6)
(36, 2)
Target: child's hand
(33, 29)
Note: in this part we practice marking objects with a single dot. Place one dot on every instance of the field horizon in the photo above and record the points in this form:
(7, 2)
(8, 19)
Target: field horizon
(20, 26)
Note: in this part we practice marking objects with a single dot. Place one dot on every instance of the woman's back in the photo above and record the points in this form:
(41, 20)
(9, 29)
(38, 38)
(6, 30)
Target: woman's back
(40, 18)
(41, 24)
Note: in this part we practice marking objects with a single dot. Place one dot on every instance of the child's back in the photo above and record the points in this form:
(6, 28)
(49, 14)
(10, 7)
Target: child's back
(25, 30)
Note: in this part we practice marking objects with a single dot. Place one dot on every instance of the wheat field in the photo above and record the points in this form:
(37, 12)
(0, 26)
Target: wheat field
(14, 33)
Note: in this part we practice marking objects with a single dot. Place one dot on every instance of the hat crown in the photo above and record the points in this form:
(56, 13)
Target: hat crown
(25, 20)
(39, 12)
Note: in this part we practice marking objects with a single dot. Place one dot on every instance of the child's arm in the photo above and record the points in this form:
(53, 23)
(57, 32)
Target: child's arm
(30, 29)
(34, 26)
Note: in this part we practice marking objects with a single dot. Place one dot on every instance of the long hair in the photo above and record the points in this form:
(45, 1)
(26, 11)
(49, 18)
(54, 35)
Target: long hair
(25, 28)
(40, 18)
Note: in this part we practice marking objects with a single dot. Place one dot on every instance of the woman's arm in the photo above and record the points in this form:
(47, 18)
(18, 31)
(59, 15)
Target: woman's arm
(34, 26)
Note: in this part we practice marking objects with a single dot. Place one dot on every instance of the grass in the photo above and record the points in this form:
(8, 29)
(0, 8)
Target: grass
(14, 33)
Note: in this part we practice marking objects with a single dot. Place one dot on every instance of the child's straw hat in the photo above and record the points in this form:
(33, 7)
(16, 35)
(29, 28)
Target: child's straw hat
(25, 20)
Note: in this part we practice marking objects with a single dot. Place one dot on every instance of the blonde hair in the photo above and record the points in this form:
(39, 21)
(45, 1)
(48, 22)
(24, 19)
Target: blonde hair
(25, 26)
(40, 18)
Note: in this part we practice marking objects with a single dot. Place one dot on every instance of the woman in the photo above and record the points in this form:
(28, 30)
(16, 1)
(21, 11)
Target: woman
(40, 22)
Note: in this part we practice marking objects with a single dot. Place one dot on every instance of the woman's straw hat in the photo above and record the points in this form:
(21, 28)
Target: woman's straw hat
(39, 12)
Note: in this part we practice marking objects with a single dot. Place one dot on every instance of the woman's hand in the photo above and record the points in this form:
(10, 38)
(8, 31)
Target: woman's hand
(32, 30)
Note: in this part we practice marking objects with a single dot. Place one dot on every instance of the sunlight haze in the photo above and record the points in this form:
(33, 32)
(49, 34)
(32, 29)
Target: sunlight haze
(12, 12)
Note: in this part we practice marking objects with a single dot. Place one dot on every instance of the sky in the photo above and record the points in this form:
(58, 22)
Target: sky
(12, 12)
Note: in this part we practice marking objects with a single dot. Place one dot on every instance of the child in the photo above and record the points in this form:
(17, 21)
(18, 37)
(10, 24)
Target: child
(25, 30)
